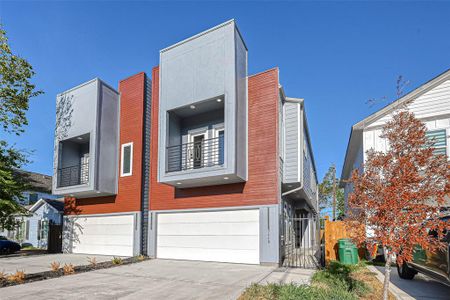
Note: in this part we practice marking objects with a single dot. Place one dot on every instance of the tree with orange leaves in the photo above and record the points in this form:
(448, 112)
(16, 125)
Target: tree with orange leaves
(398, 196)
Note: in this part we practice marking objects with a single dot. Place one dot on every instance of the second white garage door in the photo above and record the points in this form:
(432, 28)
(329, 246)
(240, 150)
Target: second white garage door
(108, 235)
(224, 236)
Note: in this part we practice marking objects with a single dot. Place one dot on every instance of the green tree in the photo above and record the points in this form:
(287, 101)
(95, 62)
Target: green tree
(329, 191)
(16, 90)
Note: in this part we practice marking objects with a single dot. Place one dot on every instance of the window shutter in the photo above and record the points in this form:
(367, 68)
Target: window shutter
(439, 139)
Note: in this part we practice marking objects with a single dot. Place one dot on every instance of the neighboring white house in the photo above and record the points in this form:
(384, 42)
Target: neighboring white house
(33, 227)
(430, 103)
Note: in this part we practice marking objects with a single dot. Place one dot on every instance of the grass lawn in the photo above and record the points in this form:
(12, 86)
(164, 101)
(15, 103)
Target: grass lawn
(337, 281)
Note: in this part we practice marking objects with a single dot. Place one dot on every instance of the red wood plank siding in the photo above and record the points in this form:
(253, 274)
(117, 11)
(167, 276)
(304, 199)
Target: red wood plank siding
(131, 130)
(262, 186)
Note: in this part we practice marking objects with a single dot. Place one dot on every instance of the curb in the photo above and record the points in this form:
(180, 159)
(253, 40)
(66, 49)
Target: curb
(398, 293)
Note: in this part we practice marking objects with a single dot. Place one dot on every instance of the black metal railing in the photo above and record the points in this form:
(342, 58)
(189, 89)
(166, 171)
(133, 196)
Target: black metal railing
(196, 155)
(73, 175)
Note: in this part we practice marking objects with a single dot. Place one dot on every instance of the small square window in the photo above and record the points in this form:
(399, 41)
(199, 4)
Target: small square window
(126, 165)
(32, 198)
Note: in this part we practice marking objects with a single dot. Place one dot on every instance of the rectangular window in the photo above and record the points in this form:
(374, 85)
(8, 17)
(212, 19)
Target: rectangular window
(126, 165)
(33, 198)
(439, 139)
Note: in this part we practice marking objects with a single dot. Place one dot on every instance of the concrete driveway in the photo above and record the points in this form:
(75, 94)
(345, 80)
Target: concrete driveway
(153, 279)
(421, 287)
(41, 263)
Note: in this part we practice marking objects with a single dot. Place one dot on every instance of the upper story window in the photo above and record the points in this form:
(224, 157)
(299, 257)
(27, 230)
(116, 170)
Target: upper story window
(126, 161)
(32, 198)
(439, 137)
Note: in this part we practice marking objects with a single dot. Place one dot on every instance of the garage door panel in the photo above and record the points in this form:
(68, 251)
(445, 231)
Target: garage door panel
(100, 229)
(110, 239)
(109, 235)
(244, 242)
(209, 217)
(224, 236)
(106, 250)
(216, 228)
(220, 255)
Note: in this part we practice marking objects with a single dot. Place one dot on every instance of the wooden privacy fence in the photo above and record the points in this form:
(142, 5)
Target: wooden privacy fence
(335, 230)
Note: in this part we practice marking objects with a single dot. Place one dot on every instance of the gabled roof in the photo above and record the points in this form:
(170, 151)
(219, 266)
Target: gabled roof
(38, 182)
(356, 131)
(56, 204)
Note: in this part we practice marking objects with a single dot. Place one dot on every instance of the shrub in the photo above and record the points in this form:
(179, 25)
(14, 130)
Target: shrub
(55, 266)
(68, 269)
(17, 277)
(92, 261)
(141, 257)
(117, 261)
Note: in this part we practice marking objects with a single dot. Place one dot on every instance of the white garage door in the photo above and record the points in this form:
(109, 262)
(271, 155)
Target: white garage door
(108, 235)
(224, 236)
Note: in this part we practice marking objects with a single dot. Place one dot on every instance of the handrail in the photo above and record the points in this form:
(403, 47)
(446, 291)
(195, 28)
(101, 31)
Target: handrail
(195, 155)
(73, 175)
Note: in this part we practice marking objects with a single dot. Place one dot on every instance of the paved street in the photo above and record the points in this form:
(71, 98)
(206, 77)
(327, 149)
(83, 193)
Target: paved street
(421, 287)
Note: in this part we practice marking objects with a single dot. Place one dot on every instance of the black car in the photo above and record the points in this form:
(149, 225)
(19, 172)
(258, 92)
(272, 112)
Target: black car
(7, 246)
(435, 265)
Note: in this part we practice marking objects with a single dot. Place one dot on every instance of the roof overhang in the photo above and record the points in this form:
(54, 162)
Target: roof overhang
(356, 133)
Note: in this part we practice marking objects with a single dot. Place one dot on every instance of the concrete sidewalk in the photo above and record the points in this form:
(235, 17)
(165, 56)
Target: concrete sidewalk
(40, 263)
(289, 275)
(421, 287)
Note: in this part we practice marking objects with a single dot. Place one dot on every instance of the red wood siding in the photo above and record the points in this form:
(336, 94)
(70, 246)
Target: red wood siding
(262, 186)
(131, 130)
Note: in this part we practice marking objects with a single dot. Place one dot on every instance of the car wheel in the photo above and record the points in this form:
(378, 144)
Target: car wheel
(405, 272)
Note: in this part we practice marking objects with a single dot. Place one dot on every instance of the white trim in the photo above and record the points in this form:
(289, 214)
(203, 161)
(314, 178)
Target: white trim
(217, 128)
(122, 174)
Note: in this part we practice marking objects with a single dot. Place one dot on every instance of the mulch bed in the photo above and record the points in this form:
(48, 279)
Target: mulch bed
(78, 269)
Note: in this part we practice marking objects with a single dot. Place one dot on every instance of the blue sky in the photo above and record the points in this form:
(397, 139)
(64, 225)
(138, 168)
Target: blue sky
(336, 55)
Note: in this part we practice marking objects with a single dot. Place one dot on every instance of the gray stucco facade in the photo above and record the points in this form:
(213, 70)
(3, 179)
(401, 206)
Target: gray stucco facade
(200, 75)
(86, 141)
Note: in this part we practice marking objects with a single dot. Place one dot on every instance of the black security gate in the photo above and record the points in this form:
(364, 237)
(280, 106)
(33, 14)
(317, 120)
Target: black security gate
(54, 238)
(302, 243)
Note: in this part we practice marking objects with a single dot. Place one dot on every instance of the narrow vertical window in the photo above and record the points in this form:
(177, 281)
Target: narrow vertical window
(126, 165)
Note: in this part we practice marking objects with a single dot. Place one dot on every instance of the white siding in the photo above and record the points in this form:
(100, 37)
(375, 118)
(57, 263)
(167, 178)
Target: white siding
(433, 103)
(292, 142)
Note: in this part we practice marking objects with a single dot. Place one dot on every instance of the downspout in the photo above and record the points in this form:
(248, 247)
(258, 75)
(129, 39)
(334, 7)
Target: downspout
(145, 181)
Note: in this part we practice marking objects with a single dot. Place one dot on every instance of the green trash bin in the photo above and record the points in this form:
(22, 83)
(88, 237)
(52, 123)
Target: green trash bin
(348, 253)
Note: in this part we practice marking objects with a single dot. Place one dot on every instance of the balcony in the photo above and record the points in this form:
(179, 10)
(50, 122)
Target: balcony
(203, 94)
(86, 141)
(195, 155)
(73, 175)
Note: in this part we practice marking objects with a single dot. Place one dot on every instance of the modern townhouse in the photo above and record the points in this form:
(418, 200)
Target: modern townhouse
(430, 103)
(200, 161)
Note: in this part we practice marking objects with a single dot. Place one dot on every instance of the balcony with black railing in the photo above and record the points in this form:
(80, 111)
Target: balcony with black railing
(73, 175)
(200, 153)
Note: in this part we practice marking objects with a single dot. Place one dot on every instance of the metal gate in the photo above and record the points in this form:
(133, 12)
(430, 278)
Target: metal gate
(54, 238)
(302, 243)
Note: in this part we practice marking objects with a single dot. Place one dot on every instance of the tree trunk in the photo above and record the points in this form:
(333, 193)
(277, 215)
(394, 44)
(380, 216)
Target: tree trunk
(387, 274)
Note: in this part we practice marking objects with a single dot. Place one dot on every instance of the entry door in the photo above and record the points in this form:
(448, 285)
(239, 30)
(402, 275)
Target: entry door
(197, 148)
(198, 151)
